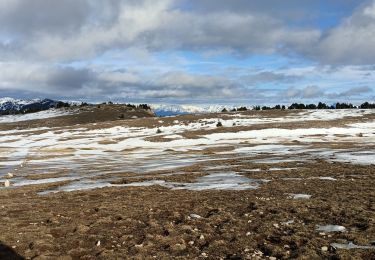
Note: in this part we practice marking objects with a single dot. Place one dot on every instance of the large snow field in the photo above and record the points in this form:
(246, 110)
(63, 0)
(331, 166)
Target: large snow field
(34, 116)
(92, 158)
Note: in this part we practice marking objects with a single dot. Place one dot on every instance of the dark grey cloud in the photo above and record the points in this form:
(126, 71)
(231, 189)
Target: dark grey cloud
(70, 79)
(82, 28)
(316, 92)
(20, 18)
(40, 39)
(269, 77)
(77, 29)
(309, 92)
(352, 92)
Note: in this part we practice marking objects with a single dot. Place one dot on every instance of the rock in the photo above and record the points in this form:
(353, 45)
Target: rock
(10, 175)
(272, 258)
(7, 183)
(324, 248)
(201, 237)
(97, 243)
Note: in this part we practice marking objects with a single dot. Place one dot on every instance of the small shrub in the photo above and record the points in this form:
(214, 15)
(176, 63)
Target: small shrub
(158, 131)
(219, 124)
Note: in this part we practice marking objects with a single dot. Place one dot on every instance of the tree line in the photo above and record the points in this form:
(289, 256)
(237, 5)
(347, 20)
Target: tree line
(320, 105)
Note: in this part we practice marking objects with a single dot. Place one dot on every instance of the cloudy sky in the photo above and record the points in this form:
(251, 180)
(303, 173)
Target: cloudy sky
(183, 51)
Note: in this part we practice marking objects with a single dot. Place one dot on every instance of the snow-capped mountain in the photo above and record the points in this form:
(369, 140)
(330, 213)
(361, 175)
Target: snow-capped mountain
(169, 110)
(17, 106)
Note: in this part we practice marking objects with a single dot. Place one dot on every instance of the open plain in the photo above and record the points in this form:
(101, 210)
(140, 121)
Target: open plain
(244, 185)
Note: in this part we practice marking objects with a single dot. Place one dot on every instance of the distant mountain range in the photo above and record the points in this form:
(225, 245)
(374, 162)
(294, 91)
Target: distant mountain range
(9, 106)
(171, 110)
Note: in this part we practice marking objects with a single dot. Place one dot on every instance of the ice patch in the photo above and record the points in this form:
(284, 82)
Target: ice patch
(331, 228)
(24, 182)
(350, 246)
(362, 158)
(300, 196)
(325, 178)
(221, 181)
(218, 181)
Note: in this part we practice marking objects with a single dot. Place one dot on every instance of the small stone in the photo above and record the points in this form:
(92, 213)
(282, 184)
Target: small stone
(272, 258)
(276, 225)
(201, 237)
(324, 249)
(7, 183)
(204, 254)
(10, 175)
(248, 233)
(191, 243)
(97, 243)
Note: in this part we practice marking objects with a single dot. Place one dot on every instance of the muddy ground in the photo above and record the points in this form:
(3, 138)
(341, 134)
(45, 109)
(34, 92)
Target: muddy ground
(159, 223)
(155, 222)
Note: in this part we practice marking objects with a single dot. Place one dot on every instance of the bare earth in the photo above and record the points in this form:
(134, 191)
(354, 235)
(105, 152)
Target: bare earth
(190, 192)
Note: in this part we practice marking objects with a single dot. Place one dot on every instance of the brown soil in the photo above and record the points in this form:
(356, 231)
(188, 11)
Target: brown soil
(157, 223)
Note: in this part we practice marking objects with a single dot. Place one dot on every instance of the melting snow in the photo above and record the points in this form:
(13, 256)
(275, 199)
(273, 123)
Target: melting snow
(300, 196)
(350, 246)
(34, 116)
(331, 228)
(85, 153)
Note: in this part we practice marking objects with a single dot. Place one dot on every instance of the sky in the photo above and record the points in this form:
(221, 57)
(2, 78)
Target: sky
(186, 51)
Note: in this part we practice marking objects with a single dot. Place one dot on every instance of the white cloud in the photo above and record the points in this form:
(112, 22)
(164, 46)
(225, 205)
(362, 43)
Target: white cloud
(352, 42)
(42, 41)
